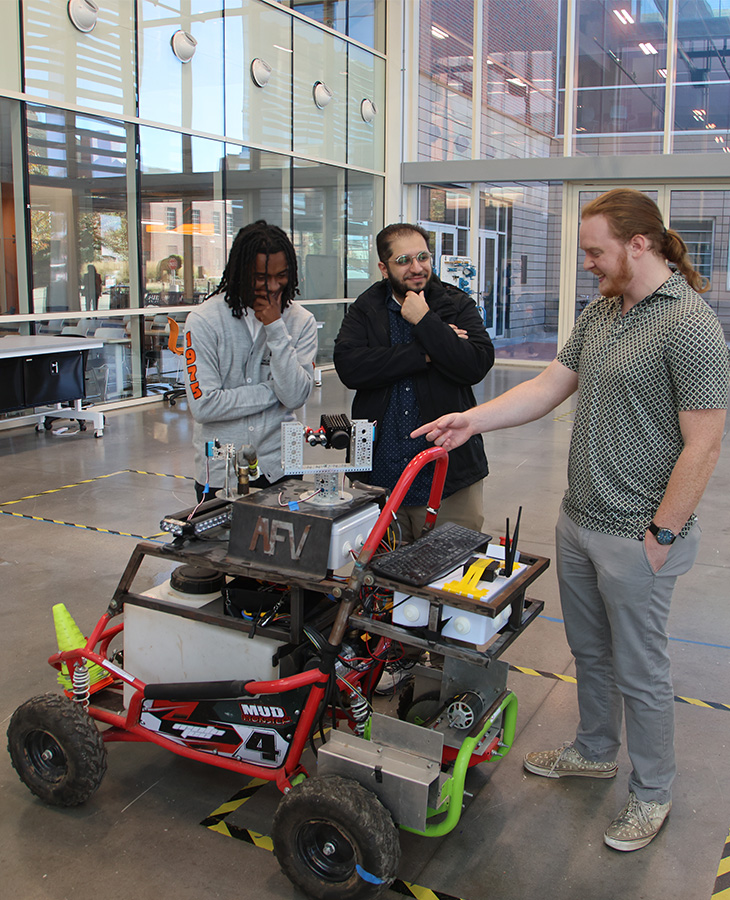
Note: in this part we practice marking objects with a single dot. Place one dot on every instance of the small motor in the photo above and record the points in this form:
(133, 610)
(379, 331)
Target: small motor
(464, 710)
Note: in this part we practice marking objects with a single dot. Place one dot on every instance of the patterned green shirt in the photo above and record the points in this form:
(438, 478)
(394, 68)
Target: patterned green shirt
(636, 372)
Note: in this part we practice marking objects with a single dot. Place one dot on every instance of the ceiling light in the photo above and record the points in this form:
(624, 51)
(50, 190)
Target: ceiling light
(648, 49)
(83, 14)
(624, 16)
(439, 33)
(662, 72)
(260, 72)
(321, 94)
(183, 46)
(368, 111)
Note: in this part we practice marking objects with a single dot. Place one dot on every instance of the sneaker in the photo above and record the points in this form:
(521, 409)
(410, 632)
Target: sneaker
(394, 674)
(567, 761)
(637, 824)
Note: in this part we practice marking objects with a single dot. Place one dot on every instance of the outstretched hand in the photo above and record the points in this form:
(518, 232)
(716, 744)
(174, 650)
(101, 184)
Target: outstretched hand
(449, 431)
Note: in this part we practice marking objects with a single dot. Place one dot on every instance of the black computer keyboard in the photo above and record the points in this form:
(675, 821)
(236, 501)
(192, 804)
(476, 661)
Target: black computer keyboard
(431, 556)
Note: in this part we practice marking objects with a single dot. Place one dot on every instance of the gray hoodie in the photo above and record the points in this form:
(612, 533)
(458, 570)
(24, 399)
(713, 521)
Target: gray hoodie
(239, 389)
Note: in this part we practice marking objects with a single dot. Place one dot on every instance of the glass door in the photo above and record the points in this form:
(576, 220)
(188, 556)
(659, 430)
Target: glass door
(489, 283)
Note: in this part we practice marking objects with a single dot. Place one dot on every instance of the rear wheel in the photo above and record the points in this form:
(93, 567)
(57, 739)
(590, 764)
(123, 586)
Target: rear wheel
(335, 840)
(56, 749)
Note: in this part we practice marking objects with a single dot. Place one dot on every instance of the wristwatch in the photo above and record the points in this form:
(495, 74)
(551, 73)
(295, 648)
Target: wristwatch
(663, 535)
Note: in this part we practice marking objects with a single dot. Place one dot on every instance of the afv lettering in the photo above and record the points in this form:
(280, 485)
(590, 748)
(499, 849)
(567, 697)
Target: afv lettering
(277, 531)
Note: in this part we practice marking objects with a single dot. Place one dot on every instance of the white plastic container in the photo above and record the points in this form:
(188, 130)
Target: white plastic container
(350, 533)
(160, 646)
(462, 625)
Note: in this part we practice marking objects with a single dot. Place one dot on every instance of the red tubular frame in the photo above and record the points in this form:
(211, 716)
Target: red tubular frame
(127, 727)
(433, 454)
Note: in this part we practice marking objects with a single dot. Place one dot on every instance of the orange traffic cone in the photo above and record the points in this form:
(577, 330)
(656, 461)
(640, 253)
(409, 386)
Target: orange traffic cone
(69, 637)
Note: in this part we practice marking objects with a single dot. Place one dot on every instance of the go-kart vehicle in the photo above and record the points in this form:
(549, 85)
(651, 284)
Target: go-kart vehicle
(335, 833)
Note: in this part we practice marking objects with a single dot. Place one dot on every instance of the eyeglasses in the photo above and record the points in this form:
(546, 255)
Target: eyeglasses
(423, 257)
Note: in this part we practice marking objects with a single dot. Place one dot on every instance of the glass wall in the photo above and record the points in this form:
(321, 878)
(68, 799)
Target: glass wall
(362, 20)
(183, 219)
(94, 70)
(621, 78)
(137, 150)
(702, 120)
(9, 294)
(702, 217)
(79, 236)
(519, 69)
(446, 62)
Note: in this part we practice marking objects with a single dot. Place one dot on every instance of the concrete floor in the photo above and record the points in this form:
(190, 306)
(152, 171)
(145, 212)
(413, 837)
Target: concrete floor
(521, 837)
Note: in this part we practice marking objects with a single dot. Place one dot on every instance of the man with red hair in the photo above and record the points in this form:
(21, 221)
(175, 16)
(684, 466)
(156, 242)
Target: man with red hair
(650, 364)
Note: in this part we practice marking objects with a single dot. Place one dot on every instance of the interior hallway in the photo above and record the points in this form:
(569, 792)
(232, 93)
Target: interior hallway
(521, 837)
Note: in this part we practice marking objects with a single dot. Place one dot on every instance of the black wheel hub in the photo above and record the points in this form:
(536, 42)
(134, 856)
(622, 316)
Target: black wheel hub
(326, 850)
(46, 755)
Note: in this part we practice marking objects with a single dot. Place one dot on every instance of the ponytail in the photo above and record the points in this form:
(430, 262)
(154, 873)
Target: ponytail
(674, 250)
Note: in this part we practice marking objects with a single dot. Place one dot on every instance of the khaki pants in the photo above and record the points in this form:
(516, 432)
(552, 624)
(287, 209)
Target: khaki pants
(465, 507)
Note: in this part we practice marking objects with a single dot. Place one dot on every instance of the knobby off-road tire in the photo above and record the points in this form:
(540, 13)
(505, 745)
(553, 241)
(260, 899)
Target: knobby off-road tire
(56, 749)
(335, 840)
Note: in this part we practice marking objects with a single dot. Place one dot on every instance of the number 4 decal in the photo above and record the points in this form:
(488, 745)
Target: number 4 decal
(264, 743)
(263, 746)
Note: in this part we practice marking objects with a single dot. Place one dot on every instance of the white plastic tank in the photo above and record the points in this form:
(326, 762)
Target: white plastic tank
(162, 646)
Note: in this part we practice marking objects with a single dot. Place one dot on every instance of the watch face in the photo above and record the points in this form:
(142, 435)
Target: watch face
(664, 536)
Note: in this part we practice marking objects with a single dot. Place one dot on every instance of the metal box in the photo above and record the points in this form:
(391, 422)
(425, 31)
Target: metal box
(405, 778)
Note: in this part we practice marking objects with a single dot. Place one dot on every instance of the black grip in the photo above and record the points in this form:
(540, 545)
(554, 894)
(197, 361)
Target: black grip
(197, 690)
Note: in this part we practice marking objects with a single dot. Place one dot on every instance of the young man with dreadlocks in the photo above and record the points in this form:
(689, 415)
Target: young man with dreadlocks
(249, 352)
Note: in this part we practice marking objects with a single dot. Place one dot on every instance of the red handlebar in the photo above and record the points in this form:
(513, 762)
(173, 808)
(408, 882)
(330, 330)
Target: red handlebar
(433, 454)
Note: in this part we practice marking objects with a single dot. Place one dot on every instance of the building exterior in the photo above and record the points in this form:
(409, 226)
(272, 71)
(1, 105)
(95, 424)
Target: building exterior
(134, 145)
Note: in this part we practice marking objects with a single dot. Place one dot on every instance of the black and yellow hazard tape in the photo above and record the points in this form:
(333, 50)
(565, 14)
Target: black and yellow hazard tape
(74, 484)
(160, 474)
(722, 882)
(538, 674)
(139, 537)
(63, 487)
(704, 704)
(420, 893)
(216, 821)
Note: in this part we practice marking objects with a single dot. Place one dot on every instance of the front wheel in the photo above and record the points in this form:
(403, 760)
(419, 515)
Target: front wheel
(57, 750)
(335, 840)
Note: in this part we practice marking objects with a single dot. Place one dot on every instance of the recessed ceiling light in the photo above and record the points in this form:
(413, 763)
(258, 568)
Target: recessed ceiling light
(183, 46)
(83, 14)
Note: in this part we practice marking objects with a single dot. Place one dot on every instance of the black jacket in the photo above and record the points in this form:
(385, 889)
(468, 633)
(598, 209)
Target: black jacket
(367, 363)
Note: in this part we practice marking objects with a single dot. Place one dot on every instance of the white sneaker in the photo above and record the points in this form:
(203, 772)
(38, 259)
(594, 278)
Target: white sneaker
(567, 761)
(637, 824)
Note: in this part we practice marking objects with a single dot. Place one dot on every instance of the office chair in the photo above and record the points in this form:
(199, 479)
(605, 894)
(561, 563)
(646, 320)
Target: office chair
(172, 395)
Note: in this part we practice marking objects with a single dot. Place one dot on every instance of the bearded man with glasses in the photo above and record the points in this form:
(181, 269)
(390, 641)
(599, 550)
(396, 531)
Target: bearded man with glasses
(411, 345)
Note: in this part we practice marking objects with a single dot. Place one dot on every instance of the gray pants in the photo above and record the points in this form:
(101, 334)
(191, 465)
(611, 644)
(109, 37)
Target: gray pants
(616, 609)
